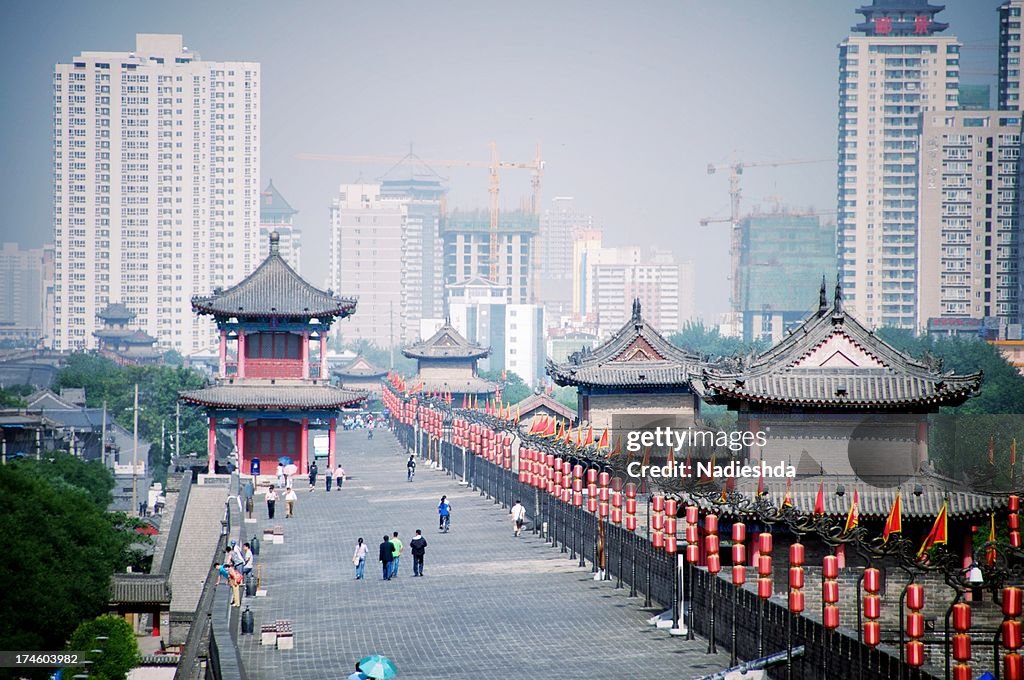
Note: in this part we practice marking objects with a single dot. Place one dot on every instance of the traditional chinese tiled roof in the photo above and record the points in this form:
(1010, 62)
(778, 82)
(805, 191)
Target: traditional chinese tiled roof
(274, 289)
(116, 311)
(536, 402)
(138, 338)
(446, 343)
(282, 396)
(833, 361)
(472, 385)
(875, 500)
(360, 368)
(139, 589)
(635, 356)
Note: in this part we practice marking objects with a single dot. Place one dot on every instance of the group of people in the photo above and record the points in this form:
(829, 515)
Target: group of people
(390, 555)
(238, 563)
(284, 483)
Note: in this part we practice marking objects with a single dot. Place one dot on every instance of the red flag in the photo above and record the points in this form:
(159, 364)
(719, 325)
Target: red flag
(852, 517)
(894, 522)
(618, 447)
(730, 484)
(819, 500)
(590, 436)
(990, 554)
(939, 532)
(787, 500)
(604, 441)
(760, 485)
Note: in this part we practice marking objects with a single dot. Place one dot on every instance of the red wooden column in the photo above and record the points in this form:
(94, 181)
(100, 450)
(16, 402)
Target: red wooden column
(305, 355)
(323, 355)
(222, 369)
(211, 444)
(303, 446)
(240, 443)
(331, 443)
(241, 354)
(754, 427)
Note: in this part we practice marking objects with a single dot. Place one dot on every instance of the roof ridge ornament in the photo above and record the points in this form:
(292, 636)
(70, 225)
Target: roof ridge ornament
(275, 243)
(838, 311)
(822, 298)
(637, 316)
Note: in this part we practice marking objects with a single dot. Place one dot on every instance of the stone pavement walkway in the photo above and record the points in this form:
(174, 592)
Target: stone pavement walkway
(490, 605)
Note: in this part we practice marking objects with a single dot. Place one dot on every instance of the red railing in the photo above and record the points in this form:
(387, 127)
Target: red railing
(273, 368)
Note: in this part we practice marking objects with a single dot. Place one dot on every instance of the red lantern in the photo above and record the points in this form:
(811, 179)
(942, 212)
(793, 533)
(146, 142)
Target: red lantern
(603, 510)
(670, 544)
(915, 596)
(1013, 521)
(830, 566)
(961, 617)
(1011, 634)
(670, 525)
(872, 633)
(796, 577)
(873, 581)
(671, 507)
(714, 563)
(796, 600)
(591, 504)
(764, 565)
(831, 616)
(915, 653)
(1013, 667)
(962, 671)
(739, 532)
(872, 606)
(691, 534)
(764, 588)
(617, 501)
(830, 591)
(630, 489)
(658, 503)
(711, 543)
(566, 468)
(764, 543)
(566, 495)
(630, 523)
(558, 477)
(692, 553)
(962, 647)
(577, 501)
(657, 540)
(796, 554)
(739, 575)
(691, 514)
(1015, 539)
(577, 486)
(1012, 601)
(915, 624)
(711, 524)
(617, 516)
(604, 494)
(631, 506)
(739, 553)
(657, 522)
(1014, 503)
(604, 478)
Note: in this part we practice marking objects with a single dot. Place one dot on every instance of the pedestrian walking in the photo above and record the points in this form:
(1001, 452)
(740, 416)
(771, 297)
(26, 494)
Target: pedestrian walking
(312, 476)
(396, 554)
(339, 477)
(249, 492)
(289, 502)
(518, 518)
(385, 555)
(359, 558)
(418, 545)
(328, 478)
(410, 468)
(444, 514)
(280, 476)
(271, 501)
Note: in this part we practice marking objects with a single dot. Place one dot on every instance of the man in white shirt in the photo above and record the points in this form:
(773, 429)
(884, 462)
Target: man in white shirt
(518, 518)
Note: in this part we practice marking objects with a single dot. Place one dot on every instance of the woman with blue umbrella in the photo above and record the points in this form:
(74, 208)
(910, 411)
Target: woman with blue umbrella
(377, 667)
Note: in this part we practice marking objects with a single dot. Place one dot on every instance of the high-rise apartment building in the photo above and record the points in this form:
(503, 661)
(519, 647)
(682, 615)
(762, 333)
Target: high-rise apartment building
(896, 69)
(467, 254)
(366, 262)
(970, 220)
(23, 287)
(156, 187)
(276, 214)
(422, 249)
(559, 225)
(1009, 55)
(783, 256)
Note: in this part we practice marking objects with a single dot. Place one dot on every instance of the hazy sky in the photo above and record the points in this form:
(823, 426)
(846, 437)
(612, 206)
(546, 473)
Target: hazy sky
(630, 102)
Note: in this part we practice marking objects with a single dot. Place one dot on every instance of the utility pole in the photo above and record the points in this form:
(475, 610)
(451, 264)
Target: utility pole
(135, 454)
(177, 429)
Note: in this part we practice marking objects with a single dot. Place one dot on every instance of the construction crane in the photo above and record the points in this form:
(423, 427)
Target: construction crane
(735, 194)
(494, 167)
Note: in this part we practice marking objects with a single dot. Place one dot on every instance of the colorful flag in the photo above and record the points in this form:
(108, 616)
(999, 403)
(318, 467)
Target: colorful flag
(852, 517)
(760, 485)
(894, 522)
(618, 447)
(590, 436)
(604, 441)
(787, 500)
(819, 500)
(990, 554)
(939, 532)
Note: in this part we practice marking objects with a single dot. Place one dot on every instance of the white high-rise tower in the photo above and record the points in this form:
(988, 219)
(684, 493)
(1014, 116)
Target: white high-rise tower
(156, 187)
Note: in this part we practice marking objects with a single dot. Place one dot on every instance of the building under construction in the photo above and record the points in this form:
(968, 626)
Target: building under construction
(782, 258)
(467, 250)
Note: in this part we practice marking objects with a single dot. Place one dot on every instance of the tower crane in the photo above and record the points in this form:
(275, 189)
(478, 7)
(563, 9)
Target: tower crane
(494, 167)
(736, 169)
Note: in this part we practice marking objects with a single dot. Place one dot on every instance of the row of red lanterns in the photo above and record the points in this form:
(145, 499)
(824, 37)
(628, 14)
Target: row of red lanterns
(915, 624)
(1010, 632)
(962, 641)
(796, 578)
(830, 591)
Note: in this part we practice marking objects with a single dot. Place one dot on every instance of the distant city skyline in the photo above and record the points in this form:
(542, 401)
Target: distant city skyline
(630, 104)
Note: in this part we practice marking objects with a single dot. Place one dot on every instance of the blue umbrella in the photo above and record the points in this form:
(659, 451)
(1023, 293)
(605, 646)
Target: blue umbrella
(379, 667)
(284, 460)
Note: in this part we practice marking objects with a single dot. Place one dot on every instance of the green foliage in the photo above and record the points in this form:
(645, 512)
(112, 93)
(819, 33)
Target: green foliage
(60, 549)
(513, 389)
(568, 396)
(105, 381)
(64, 471)
(381, 356)
(699, 339)
(11, 398)
(120, 651)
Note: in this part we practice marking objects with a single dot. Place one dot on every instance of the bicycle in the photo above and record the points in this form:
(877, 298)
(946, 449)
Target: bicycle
(446, 522)
(410, 473)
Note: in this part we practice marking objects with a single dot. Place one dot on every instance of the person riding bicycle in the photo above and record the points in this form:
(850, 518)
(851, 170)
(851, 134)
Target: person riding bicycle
(444, 512)
(410, 468)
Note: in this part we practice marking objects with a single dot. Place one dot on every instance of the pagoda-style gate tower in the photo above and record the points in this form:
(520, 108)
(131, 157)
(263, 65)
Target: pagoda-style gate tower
(446, 364)
(271, 392)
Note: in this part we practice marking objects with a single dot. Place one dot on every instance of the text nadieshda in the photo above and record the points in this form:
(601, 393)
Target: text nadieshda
(667, 437)
(708, 470)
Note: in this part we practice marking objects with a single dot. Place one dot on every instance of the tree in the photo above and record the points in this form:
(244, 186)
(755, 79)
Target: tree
(699, 339)
(513, 389)
(120, 651)
(567, 396)
(59, 552)
(62, 470)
